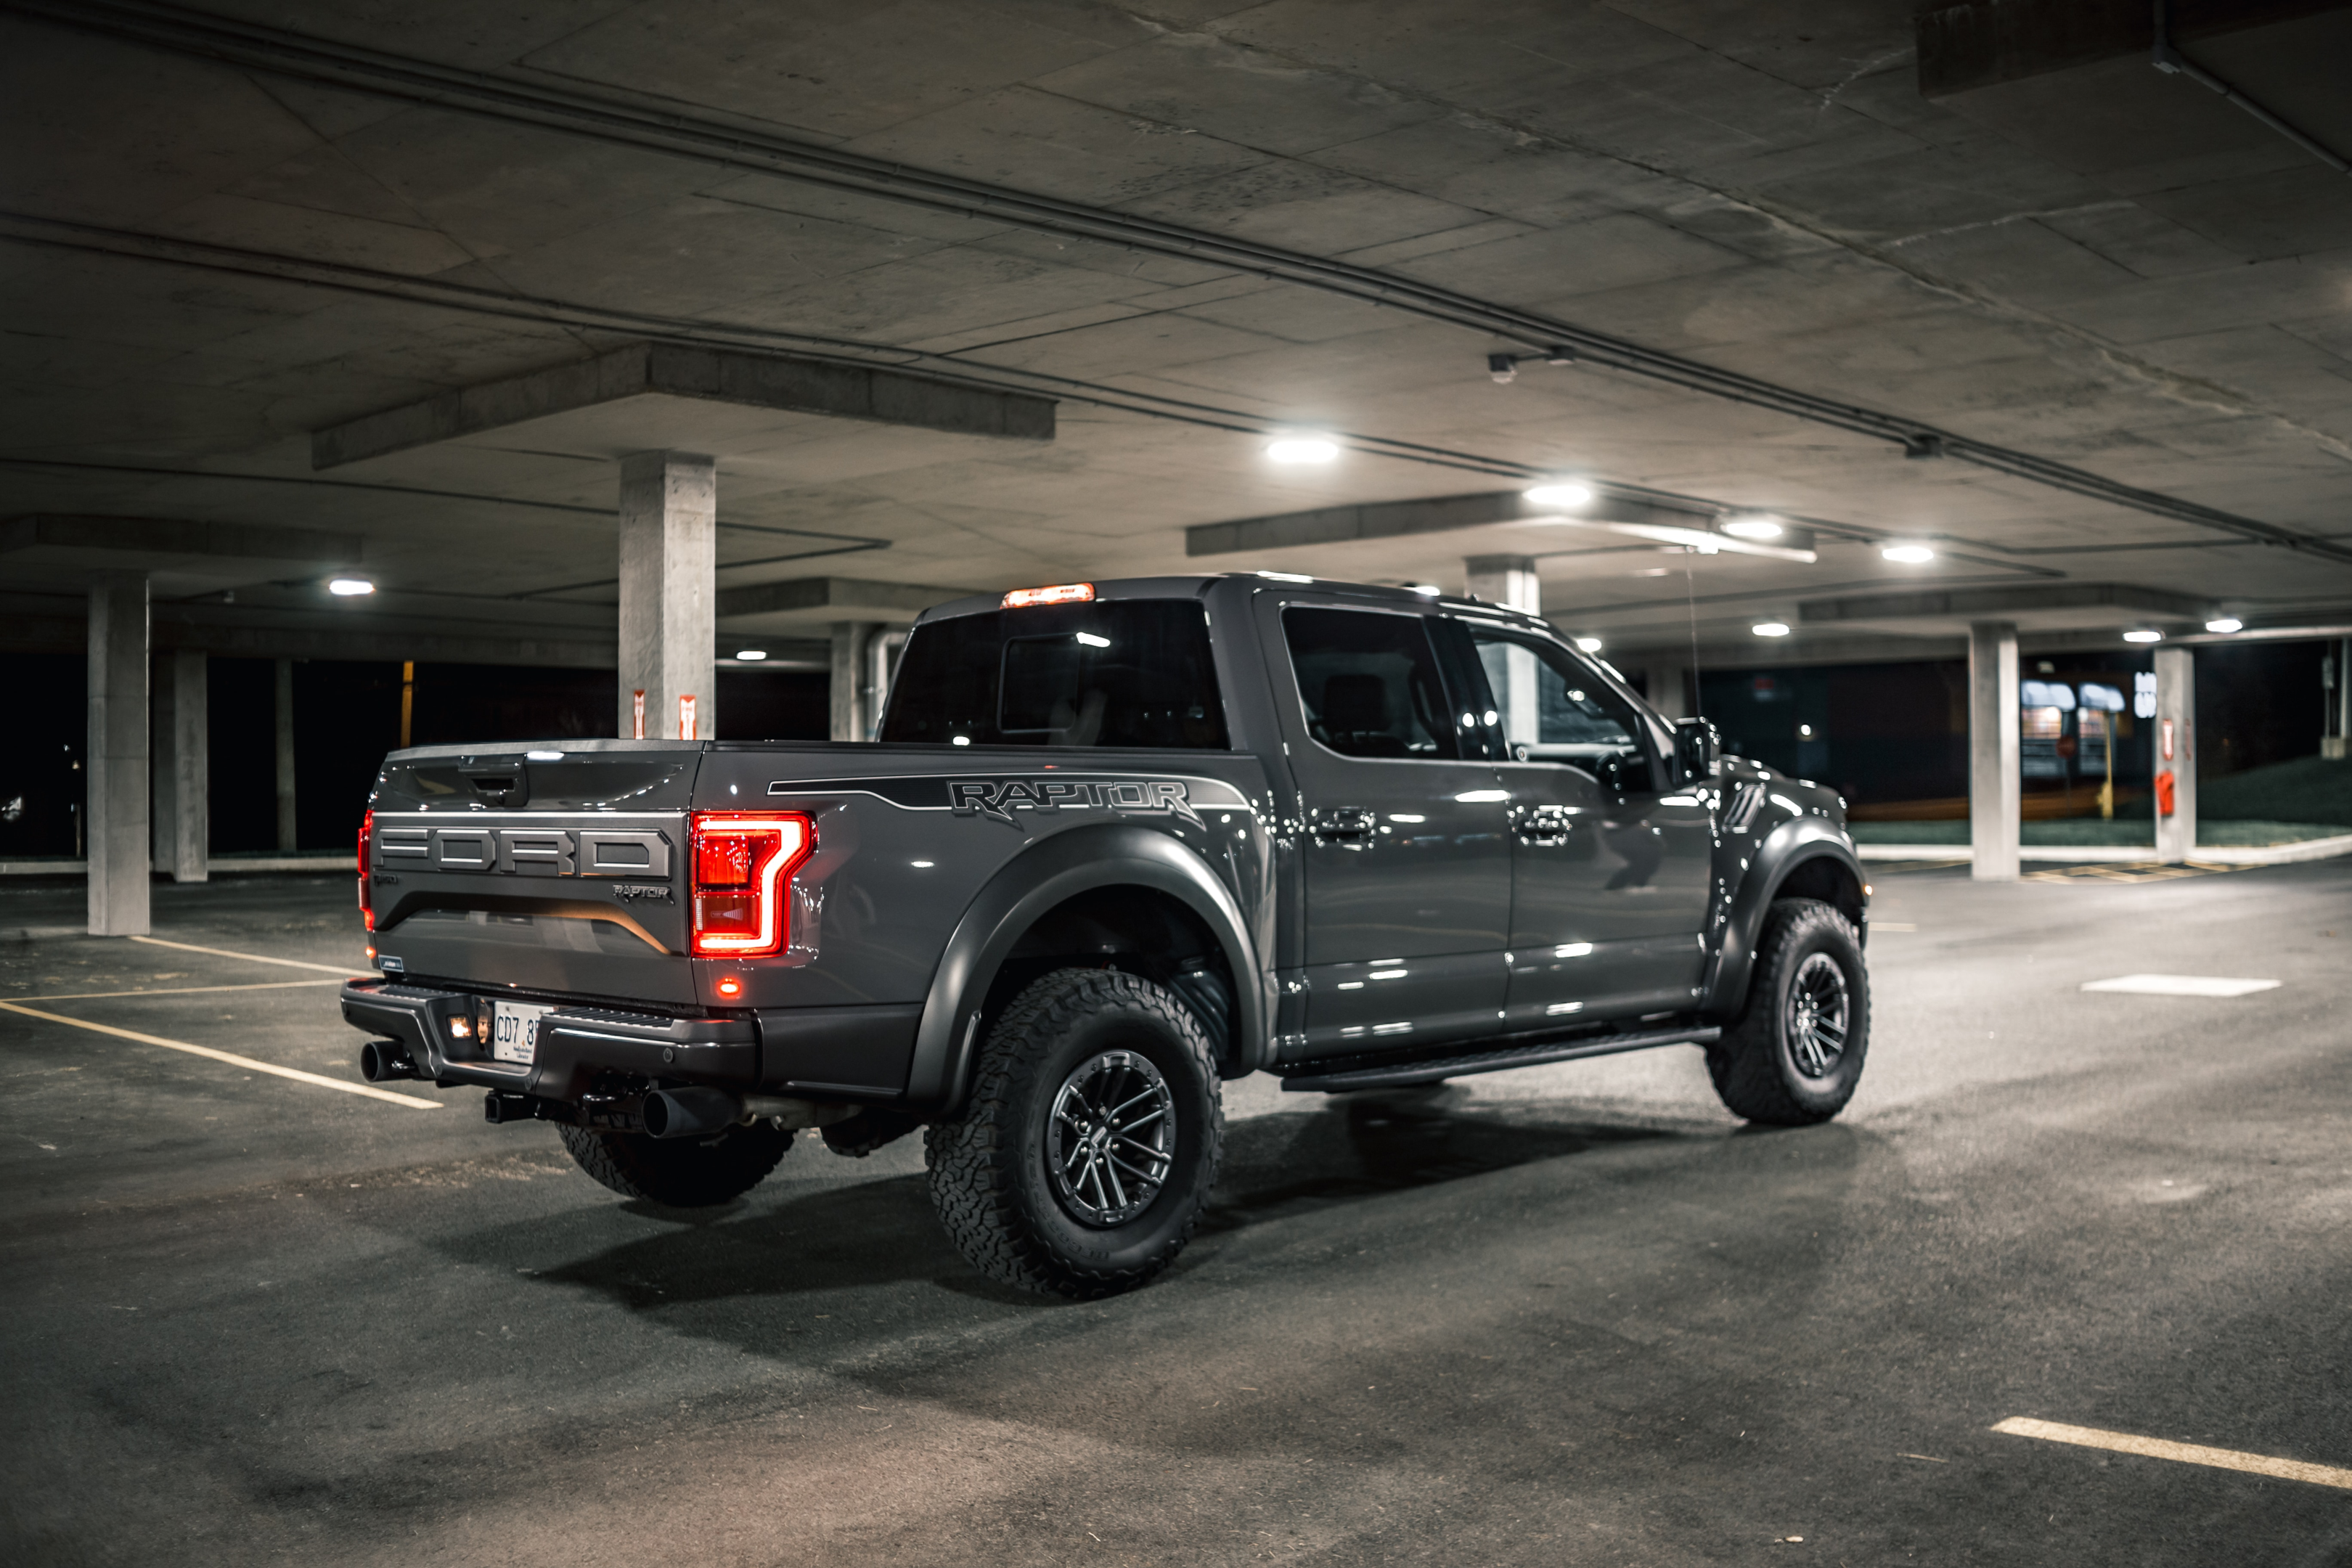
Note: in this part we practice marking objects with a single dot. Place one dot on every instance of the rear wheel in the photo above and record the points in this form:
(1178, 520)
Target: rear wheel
(1794, 1055)
(683, 1172)
(1091, 1140)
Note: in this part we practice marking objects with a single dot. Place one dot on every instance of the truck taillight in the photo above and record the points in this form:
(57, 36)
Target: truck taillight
(367, 900)
(743, 863)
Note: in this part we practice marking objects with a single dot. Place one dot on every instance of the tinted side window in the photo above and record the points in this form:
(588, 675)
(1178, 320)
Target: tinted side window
(1128, 672)
(1553, 709)
(1370, 683)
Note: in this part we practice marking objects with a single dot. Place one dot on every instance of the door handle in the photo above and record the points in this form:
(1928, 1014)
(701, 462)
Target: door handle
(1350, 827)
(1545, 825)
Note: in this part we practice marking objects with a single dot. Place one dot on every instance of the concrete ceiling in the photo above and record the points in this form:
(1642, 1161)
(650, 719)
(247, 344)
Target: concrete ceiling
(1193, 224)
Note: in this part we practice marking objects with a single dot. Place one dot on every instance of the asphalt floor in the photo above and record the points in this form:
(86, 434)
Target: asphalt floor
(1574, 1315)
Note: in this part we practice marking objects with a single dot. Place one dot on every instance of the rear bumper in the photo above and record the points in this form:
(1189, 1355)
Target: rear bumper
(577, 1043)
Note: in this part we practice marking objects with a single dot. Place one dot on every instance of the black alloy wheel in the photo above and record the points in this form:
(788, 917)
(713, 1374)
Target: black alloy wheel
(1083, 1160)
(1794, 1055)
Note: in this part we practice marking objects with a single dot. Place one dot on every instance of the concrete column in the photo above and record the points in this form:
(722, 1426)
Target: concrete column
(116, 836)
(182, 801)
(2336, 725)
(1667, 682)
(2176, 750)
(1506, 580)
(669, 551)
(1511, 580)
(1995, 764)
(286, 834)
(851, 701)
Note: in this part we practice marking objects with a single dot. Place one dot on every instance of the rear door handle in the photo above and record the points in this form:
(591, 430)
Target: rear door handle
(1545, 825)
(1349, 826)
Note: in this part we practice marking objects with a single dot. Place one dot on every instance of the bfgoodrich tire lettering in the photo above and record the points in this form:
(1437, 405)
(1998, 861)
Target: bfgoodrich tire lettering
(1794, 1055)
(683, 1172)
(990, 1179)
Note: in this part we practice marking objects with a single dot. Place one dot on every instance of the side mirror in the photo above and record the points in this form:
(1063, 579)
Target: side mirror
(1695, 748)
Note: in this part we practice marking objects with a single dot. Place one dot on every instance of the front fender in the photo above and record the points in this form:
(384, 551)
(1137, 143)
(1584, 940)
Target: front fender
(1781, 851)
(1042, 876)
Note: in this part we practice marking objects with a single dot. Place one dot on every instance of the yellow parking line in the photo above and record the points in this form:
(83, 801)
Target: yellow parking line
(297, 1074)
(345, 969)
(2185, 1453)
(172, 990)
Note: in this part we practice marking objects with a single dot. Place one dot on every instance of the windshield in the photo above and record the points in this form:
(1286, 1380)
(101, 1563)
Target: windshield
(1130, 672)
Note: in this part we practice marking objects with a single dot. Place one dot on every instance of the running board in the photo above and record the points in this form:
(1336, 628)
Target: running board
(1435, 1069)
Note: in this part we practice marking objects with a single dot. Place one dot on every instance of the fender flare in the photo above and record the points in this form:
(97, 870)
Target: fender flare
(1046, 875)
(1787, 846)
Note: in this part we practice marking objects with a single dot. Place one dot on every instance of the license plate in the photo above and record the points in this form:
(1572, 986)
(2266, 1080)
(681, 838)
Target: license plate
(514, 1031)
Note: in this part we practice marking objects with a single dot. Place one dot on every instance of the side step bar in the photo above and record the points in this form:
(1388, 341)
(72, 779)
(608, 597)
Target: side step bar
(1436, 1069)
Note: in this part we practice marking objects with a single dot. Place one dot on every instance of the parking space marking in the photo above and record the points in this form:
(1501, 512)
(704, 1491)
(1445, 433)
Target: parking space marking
(2183, 1452)
(2181, 986)
(349, 971)
(173, 990)
(297, 1074)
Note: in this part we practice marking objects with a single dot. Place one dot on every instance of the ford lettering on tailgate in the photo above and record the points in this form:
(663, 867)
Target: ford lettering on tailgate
(530, 851)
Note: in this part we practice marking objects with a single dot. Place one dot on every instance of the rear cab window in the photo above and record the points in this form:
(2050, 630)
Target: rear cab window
(1368, 681)
(1119, 672)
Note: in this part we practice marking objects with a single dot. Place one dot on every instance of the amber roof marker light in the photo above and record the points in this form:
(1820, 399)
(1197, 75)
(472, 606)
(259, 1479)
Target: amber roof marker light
(1057, 593)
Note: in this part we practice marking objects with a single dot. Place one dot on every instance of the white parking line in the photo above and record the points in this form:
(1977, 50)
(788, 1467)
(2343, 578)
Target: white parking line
(173, 990)
(344, 969)
(2185, 1453)
(2181, 986)
(297, 1074)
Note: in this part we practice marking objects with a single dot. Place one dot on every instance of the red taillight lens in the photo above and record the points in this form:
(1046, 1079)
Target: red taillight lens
(367, 899)
(743, 863)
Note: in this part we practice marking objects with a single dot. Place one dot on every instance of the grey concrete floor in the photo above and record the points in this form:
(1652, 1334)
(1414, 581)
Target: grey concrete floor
(1567, 1315)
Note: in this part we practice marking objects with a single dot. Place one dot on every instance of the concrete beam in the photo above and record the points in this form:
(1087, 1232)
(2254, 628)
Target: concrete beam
(114, 812)
(1996, 758)
(2057, 605)
(867, 600)
(1605, 513)
(782, 382)
(156, 539)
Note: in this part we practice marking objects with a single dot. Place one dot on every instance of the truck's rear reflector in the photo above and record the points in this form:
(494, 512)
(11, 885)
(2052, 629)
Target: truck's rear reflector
(743, 862)
(1059, 594)
(367, 899)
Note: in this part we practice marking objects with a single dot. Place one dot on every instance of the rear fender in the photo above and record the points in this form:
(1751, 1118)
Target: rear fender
(1806, 856)
(1046, 876)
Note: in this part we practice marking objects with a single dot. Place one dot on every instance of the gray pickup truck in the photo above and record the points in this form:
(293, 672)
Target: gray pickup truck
(1117, 842)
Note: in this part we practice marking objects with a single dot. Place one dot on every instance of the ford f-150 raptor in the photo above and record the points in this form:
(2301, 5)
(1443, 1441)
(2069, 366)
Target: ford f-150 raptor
(1117, 842)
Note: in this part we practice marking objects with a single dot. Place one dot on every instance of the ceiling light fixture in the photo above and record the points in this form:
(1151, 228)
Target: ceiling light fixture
(1771, 628)
(1753, 527)
(2226, 625)
(2144, 635)
(349, 587)
(1588, 644)
(1429, 589)
(1565, 492)
(1302, 449)
(1908, 554)
(751, 655)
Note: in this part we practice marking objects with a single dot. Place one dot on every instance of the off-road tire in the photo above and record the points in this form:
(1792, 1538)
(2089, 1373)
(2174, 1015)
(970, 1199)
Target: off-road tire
(682, 1173)
(1755, 1064)
(989, 1179)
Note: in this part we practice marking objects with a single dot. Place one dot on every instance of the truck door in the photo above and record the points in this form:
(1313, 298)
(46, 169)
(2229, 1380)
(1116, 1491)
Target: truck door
(1611, 863)
(1406, 844)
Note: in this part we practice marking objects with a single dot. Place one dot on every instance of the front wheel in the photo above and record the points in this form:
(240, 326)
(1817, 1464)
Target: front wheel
(1091, 1140)
(1794, 1055)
